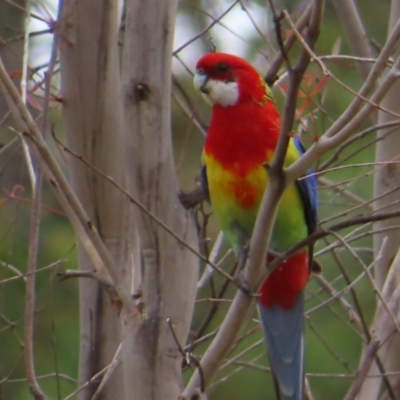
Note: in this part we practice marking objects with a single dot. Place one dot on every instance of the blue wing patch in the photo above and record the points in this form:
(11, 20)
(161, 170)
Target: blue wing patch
(307, 187)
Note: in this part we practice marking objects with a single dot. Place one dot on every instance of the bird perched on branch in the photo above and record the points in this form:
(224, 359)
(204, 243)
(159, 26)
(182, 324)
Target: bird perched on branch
(242, 137)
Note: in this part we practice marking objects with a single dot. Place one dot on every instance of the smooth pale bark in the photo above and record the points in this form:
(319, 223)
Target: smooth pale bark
(387, 179)
(152, 362)
(93, 126)
(385, 332)
(11, 54)
(355, 33)
(93, 107)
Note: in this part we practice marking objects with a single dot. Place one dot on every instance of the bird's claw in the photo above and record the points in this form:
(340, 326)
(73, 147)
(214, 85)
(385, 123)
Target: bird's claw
(242, 284)
(193, 198)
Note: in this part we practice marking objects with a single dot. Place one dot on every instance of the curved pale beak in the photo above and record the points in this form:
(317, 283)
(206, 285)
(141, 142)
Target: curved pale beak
(200, 81)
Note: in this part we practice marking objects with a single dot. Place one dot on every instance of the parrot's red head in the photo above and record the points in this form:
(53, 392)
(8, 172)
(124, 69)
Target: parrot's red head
(228, 80)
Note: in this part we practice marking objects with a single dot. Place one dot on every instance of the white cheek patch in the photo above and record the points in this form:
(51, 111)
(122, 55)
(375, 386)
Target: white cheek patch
(220, 92)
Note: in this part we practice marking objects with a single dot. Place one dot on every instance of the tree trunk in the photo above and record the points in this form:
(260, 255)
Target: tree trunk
(152, 362)
(90, 82)
(97, 131)
(386, 243)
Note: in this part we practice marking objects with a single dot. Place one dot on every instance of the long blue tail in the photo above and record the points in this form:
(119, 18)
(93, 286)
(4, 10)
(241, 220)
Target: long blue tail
(284, 334)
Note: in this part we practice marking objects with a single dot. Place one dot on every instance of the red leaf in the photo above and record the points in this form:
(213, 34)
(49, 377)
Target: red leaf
(303, 106)
(15, 73)
(283, 86)
(320, 85)
(31, 99)
(311, 78)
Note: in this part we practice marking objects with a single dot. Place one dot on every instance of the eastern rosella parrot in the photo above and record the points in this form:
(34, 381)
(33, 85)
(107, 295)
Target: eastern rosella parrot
(241, 139)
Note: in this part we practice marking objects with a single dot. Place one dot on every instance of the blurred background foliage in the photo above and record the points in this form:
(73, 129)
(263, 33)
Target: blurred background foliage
(333, 339)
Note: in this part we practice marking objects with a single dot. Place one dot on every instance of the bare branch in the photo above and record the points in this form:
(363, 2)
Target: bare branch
(116, 361)
(271, 76)
(362, 372)
(57, 180)
(355, 32)
(349, 121)
(205, 30)
(29, 315)
(24, 88)
(23, 276)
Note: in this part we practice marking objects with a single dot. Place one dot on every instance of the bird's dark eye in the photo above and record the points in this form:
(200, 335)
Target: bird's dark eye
(222, 67)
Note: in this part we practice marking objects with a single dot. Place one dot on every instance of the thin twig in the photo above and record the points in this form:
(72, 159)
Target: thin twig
(213, 258)
(59, 184)
(351, 119)
(205, 30)
(362, 134)
(371, 278)
(29, 314)
(362, 372)
(341, 300)
(24, 89)
(354, 29)
(94, 378)
(23, 276)
(115, 362)
(271, 76)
